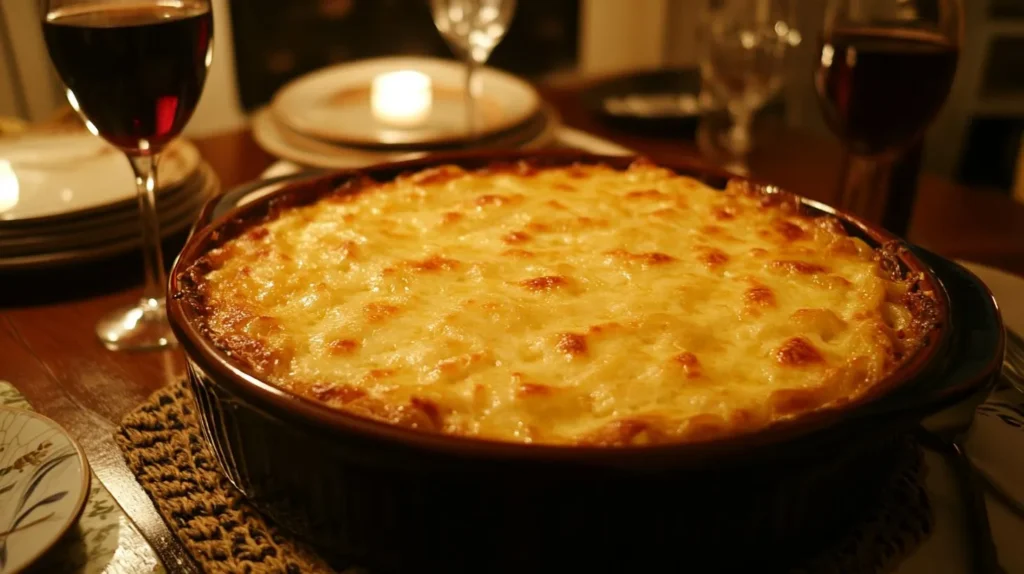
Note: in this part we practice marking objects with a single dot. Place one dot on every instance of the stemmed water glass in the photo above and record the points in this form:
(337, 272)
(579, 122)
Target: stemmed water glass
(885, 68)
(742, 61)
(472, 29)
(134, 71)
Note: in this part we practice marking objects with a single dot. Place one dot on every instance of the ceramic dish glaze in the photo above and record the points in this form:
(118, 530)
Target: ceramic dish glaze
(397, 500)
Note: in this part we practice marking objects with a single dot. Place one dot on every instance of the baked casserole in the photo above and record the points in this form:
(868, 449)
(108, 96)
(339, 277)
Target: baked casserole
(574, 304)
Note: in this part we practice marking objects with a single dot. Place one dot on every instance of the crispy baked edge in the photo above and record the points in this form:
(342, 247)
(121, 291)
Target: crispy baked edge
(920, 300)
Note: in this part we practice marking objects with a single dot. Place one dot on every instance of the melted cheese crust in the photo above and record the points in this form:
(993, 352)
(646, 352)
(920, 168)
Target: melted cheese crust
(579, 305)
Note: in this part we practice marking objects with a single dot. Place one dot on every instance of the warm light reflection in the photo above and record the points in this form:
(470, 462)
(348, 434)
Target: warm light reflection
(8, 186)
(73, 101)
(403, 98)
(74, 105)
(827, 53)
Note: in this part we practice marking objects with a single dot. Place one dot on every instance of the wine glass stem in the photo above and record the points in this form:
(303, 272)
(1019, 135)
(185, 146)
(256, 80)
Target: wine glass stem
(739, 134)
(864, 190)
(470, 96)
(154, 287)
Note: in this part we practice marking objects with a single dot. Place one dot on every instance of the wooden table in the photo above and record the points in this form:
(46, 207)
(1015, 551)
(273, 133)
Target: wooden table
(48, 351)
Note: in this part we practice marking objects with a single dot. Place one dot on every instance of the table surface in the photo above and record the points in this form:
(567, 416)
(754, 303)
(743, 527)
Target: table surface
(48, 351)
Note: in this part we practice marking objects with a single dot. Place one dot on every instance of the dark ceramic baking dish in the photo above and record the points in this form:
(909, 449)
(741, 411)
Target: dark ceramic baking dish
(398, 500)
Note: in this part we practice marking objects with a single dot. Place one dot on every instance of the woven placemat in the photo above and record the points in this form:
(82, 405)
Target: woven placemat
(162, 444)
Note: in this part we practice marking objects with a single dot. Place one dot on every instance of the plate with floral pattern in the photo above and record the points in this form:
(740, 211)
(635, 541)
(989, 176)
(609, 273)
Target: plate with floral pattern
(44, 481)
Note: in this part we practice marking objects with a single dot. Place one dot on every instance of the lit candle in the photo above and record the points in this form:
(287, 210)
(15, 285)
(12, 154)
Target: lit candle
(402, 99)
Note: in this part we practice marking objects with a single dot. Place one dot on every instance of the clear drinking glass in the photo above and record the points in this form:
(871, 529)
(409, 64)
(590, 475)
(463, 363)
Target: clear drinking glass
(472, 29)
(134, 71)
(884, 70)
(742, 60)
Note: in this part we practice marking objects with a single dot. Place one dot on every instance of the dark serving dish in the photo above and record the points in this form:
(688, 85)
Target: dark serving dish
(397, 500)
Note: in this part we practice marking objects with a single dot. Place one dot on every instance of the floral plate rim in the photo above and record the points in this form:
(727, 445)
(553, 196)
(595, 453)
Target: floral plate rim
(83, 486)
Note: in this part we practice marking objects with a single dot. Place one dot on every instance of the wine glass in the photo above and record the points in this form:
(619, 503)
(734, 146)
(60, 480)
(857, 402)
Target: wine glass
(472, 29)
(742, 60)
(134, 72)
(885, 69)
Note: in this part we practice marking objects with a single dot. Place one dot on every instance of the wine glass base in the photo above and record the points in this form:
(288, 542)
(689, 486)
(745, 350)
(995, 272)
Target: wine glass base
(139, 327)
(714, 142)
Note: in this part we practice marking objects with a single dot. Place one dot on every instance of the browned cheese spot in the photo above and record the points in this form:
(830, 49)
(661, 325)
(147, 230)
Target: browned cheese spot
(490, 200)
(437, 175)
(434, 263)
(798, 267)
(555, 204)
(349, 249)
(537, 227)
(453, 365)
(831, 282)
(545, 283)
(343, 346)
(376, 312)
(603, 328)
(706, 426)
(798, 352)
(572, 344)
(624, 432)
(516, 237)
(378, 374)
(724, 212)
(257, 233)
(576, 171)
(759, 296)
(795, 401)
(645, 194)
(430, 409)
(517, 253)
(533, 390)
(690, 364)
(788, 230)
(711, 230)
(649, 258)
(451, 217)
(564, 187)
(335, 393)
(713, 257)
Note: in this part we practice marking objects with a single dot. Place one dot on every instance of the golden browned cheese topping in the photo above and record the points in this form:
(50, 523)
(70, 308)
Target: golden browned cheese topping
(574, 305)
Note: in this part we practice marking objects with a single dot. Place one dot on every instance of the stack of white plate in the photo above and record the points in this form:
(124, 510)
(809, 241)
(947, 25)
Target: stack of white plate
(70, 198)
(326, 118)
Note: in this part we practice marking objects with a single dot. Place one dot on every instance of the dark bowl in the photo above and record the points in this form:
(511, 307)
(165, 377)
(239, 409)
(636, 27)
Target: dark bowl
(397, 500)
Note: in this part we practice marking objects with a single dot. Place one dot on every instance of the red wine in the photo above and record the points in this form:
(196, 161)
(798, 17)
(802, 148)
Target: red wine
(881, 88)
(136, 70)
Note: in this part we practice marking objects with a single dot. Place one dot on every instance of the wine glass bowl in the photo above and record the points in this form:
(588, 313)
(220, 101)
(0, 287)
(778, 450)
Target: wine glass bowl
(472, 29)
(742, 63)
(884, 70)
(134, 71)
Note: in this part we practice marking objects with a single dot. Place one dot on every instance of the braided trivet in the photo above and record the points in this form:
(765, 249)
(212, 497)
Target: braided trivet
(162, 444)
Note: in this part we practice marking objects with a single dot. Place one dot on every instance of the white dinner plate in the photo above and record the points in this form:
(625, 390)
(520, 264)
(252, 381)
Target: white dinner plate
(79, 254)
(103, 227)
(280, 141)
(44, 481)
(61, 175)
(333, 104)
